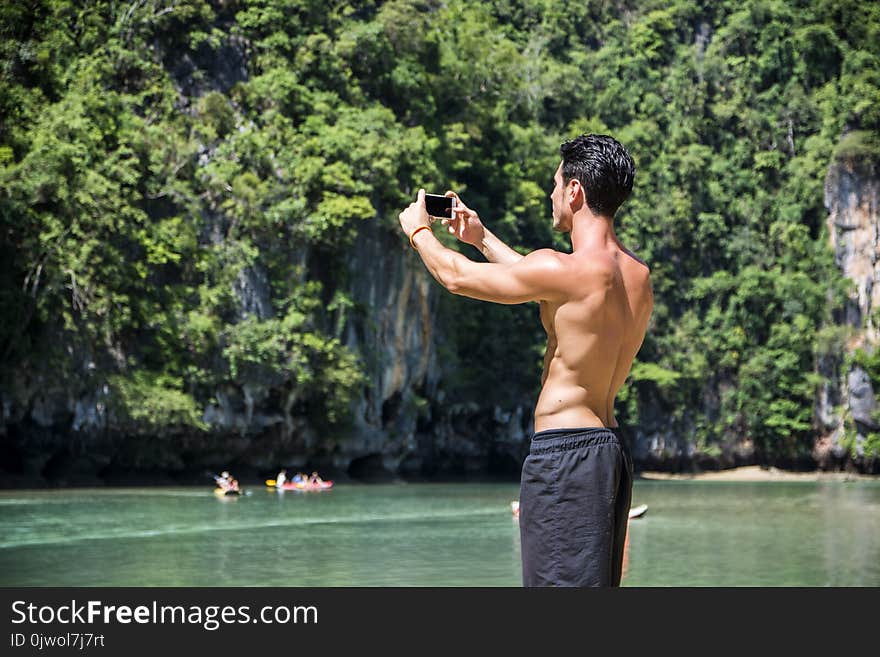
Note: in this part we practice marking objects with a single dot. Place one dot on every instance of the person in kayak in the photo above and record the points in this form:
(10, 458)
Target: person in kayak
(280, 478)
(227, 482)
(223, 480)
(595, 305)
(315, 479)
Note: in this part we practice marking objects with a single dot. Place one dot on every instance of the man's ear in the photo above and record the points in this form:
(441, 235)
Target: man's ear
(573, 190)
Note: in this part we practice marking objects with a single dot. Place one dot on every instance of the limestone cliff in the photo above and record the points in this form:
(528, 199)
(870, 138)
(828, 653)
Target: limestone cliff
(847, 400)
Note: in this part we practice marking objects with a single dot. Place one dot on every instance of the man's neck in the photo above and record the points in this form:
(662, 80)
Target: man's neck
(591, 230)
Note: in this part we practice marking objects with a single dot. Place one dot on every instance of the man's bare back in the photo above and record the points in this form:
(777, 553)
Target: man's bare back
(592, 337)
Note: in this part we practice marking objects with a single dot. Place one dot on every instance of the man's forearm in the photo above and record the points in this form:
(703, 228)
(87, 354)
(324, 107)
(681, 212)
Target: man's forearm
(494, 250)
(439, 260)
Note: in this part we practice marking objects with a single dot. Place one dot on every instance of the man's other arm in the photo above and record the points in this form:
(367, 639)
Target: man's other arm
(494, 250)
(467, 226)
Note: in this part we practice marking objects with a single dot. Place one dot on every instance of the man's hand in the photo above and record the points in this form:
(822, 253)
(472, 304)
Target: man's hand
(465, 224)
(415, 215)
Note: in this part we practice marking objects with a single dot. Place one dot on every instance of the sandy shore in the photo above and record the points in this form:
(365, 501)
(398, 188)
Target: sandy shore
(758, 473)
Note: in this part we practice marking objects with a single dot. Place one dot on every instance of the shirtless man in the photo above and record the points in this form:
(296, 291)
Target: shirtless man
(595, 305)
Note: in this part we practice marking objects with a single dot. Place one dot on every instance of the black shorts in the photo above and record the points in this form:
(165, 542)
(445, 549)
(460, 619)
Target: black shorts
(574, 503)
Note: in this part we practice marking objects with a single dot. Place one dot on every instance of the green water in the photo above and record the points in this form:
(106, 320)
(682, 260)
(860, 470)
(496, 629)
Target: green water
(696, 533)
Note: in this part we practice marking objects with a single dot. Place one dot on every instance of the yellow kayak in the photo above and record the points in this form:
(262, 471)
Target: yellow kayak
(220, 492)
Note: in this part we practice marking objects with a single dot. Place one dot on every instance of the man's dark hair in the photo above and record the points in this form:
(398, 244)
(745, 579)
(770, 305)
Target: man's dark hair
(604, 169)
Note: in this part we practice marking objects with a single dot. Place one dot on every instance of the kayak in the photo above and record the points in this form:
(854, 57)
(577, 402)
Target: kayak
(222, 492)
(292, 485)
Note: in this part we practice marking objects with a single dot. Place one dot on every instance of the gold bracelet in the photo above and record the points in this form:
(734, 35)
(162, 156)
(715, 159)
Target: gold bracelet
(413, 244)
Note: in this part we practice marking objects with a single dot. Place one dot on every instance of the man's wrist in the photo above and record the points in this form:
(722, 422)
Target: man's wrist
(483, 244)
(418, 234)
(488, 244)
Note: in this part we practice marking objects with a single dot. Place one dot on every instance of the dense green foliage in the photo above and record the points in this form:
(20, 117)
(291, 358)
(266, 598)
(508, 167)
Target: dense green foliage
(159, 159)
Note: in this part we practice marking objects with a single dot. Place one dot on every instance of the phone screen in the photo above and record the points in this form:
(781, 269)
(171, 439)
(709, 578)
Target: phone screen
(438, 206)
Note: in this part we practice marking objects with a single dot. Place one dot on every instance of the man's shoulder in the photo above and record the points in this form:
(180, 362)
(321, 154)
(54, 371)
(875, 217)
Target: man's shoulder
(630, 254)
(606, 268)
(621, 260)
(546, 259)
(545, 253)
(591, 262)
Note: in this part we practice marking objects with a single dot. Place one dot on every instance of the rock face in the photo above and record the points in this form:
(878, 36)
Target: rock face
(852, 193)
(401, 424)
(396, 342)
(847, 400)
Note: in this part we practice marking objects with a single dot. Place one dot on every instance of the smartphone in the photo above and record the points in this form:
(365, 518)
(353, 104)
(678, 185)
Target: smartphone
(439, 206)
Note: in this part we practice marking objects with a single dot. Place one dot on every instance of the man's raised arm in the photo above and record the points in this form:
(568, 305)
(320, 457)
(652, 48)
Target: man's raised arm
(535, 277)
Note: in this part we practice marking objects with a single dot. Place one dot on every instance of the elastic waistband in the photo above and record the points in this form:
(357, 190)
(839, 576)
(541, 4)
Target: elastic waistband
(558, 440)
